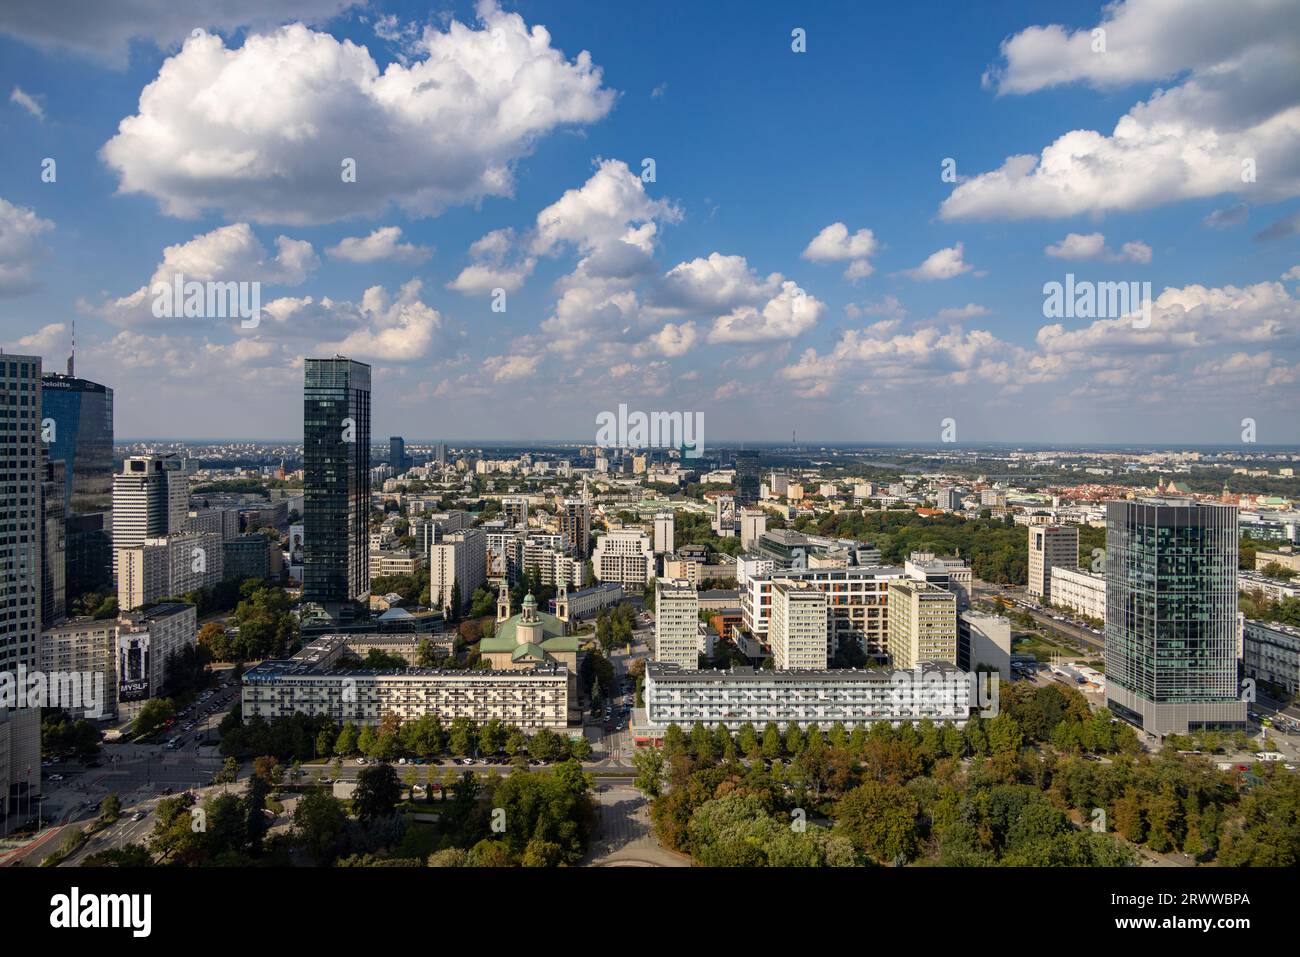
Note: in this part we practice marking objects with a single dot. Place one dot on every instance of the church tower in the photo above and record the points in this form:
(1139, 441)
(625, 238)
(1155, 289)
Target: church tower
(562, 604)
(503, 602)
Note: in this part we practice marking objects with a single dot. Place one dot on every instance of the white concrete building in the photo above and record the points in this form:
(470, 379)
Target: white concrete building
(457, 563)
(1271, 653)
(1080, 591)
(753, 523)
(984, 640)
(674, 695)
(798, 629)
(664, 528)
(856, 599)
(1050, 546)
(922, 623)
(626, 557)
(677, 616)
(528, 699)
(169, 566)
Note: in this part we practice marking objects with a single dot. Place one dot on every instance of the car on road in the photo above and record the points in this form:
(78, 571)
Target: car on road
(138, 816)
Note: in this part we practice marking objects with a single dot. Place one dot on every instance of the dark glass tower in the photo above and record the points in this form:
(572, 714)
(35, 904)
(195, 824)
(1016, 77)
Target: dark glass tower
(397, 453)
(748, 478)
(81, 413)
(1172, 647)
(336, 491)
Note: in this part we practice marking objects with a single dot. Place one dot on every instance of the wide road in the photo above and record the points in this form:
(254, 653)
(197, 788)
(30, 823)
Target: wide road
(981, 589)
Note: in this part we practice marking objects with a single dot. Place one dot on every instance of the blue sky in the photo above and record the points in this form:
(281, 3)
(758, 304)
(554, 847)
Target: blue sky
(922, 300)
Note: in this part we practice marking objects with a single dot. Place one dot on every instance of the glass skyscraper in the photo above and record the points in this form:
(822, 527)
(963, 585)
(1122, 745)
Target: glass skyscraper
(336, 491)
(1172, 632)
(81, 412)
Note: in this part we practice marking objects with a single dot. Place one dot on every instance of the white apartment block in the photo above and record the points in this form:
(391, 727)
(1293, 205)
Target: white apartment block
(528, 699)
(853, 697)
(664, 527)
(222, 521)
(626, 557)
(1271, 653)
(1270, 589)
(1050, 546)
(856, 601)
(922, 623)
(1286, 557)
(457, 559)
(1080, 591)
(677, 617)
(394, 562)
(169, 566)
(798, 629)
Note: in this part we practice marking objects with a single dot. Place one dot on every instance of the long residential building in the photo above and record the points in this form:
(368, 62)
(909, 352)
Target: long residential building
(168, 566)
(531, 699)
(1271, 655)
(742, 695)
(1080, 591)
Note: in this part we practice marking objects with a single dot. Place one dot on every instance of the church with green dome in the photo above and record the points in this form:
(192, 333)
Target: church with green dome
(531, 638)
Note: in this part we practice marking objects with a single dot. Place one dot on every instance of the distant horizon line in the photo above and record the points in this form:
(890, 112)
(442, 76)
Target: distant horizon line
(740, 444)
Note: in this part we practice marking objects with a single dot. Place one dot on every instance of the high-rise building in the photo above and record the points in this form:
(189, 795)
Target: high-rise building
(922, 623)
(457, 566)
(21, 522)
(677, 622)
(149, 501)
(665, 524)
(54, 596)
(1172, 646)
(798, 628)
(441, 455)
(748, 478)
(1050, 546)
(397, 453)
(948, 499)
(336, 485)
(80, 434)
(575, 526)
(168, 566)
(946, 571)
(724, 516)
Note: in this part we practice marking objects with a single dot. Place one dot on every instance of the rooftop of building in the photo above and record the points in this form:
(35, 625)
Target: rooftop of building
(293, 668)
(663, 670)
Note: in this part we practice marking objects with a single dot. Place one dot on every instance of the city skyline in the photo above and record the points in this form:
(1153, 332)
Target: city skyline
(804, 257)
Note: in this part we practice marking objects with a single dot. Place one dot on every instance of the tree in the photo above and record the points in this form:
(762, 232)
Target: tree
(319, 821)
(772, 743)
(377, 794)
(649, 763)
(880, 818)
(581, 748)
(153, 715)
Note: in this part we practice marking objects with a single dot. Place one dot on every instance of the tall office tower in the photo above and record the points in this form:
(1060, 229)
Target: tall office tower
(664, 527)
(21, 527)
(1050, 546)
(748, 478)
(515, 512)
(798, 629)
(575, 526)
(922, 623)
(1172, 652)
(54, 596)
(80, 415)
(336, 485)
(457, 566)
(677, 623)
(753, 523)
(442, 455)
(149, 501)
(397, 453)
